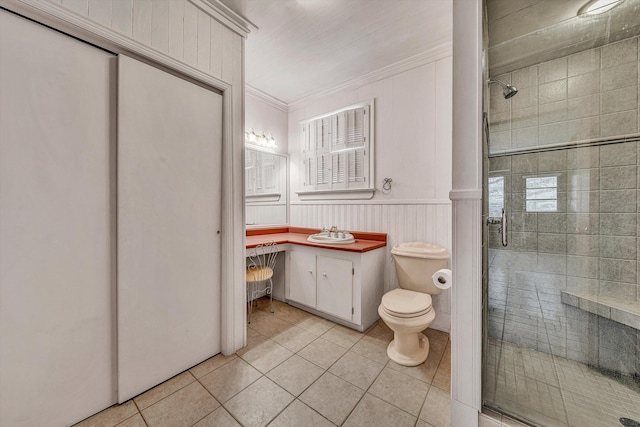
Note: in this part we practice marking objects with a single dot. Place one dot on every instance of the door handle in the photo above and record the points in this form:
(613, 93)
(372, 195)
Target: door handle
(504, 228)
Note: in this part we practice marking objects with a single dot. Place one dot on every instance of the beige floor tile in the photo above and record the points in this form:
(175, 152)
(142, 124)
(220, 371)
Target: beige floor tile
(372, 411)
(183, 408)
(437, 408)
(135, 421)
(258, 404)
(342, 336)
(371, 348)
(437, 339)
(295, 374)
(295, 339)
(266, 355)
(253, 339)
(315, 325)
(332, 397)
(381, 333)
(163, 390)
(290, 313)
(422, 423)
(299, 414)
(110, 416)
(268, 324)
(230, 379)
(401, 390)
(322, 353)
(218, 418)
(442, 379)
(211, 364)
(356, 369)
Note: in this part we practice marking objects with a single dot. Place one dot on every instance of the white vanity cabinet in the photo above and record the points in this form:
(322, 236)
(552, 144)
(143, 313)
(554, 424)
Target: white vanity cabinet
(302, 274)
(334, 286)
(342, 286)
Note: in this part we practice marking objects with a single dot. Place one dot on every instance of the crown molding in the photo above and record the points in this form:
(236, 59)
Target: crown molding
(266, 98)
(439, 52)
(227, 17)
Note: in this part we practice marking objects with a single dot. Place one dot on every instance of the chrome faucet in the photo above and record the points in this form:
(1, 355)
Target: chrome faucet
(334, 229)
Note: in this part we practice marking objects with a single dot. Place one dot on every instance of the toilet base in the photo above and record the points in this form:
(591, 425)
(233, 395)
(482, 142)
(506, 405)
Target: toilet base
(417, 355)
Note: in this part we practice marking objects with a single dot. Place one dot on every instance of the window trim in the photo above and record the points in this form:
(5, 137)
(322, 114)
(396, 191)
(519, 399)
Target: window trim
(325, 192)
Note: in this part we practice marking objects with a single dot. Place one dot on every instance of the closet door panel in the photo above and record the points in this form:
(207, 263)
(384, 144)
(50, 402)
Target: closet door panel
(169, 214)
(57, 229)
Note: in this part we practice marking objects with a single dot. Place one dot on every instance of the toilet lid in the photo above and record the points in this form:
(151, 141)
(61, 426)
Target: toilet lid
(405, 303)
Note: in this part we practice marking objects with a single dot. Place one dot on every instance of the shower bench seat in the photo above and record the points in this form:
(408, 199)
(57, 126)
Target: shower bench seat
(621, 311)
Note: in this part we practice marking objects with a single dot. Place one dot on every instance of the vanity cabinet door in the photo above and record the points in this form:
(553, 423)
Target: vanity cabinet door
(335, 286)
(302, 281)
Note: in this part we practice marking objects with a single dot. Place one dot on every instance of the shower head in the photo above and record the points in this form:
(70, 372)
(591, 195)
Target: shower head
(507, 90)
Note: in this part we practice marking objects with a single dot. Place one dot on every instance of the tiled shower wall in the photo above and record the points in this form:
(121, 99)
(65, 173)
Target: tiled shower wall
(590, 243)
(590, 95)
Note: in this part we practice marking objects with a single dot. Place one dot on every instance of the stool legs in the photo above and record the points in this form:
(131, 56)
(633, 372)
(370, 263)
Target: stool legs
(252, 291)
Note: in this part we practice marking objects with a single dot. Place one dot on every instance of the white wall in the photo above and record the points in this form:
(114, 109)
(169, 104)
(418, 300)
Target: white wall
(413, 147)
(265, 115)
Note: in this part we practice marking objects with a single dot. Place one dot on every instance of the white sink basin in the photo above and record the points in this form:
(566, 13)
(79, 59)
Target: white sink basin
(328, 238)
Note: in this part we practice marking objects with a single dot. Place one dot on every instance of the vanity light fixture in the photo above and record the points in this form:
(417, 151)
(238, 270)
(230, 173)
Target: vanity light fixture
(596, 7)
(260, 139)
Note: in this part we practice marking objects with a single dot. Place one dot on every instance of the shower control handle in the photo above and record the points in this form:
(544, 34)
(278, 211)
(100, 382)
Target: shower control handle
(504, 228)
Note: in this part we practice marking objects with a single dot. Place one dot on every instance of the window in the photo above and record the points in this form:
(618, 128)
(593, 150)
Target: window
(542, 194)
(337, 154)
(496, 196)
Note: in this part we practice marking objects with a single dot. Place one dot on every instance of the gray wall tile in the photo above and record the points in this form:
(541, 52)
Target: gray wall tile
(623, 52)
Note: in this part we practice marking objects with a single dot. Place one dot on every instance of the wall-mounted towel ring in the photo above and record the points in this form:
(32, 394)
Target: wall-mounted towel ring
(386, 185)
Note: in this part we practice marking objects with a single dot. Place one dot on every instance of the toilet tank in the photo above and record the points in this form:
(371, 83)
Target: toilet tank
(416, 262)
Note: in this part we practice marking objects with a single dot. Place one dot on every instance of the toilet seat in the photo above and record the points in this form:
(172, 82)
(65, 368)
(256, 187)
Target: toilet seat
(406, 304)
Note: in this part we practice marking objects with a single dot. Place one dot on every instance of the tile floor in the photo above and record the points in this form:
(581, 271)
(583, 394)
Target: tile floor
(299, 370)
(553, 391)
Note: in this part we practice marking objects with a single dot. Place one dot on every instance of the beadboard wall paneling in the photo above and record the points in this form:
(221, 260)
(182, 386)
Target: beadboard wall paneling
(174, 27)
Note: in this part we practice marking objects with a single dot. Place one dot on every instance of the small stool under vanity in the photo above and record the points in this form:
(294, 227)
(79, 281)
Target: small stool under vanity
(340, 282)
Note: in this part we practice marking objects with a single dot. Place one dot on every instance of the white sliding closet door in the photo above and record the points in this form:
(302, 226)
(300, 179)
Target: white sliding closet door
(169, 215)
(57, 238)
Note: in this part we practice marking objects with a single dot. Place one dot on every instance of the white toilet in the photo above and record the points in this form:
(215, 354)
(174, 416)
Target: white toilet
(408, 311)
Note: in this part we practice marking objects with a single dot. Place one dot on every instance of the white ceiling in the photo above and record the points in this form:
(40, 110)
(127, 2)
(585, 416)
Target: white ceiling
(302, 47)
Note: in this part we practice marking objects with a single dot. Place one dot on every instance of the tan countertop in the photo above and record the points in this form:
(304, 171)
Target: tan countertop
(297, 235)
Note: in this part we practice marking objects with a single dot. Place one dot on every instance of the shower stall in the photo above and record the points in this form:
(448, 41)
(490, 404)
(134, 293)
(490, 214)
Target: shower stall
(562, 214)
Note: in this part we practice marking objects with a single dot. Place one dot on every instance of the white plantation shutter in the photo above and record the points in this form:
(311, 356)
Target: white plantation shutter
(355, 121)
(338, 170)
(322, 171)
(336, 150)
(307, 141)
(358, 167)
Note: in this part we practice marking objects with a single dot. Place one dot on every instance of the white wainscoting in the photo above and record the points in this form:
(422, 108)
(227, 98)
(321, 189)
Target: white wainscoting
(179, 29)
(403, 221)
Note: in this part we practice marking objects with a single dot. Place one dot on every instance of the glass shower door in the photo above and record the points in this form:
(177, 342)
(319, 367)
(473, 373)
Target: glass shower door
(562, 301)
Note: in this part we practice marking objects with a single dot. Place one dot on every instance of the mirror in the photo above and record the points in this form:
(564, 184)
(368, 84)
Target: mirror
(265, 187)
